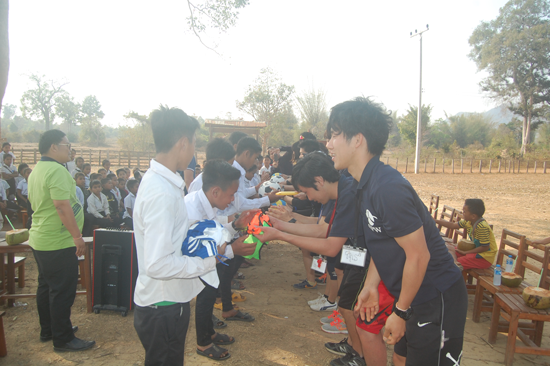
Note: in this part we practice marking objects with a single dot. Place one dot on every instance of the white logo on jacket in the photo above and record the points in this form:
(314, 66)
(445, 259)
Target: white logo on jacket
(371, 218)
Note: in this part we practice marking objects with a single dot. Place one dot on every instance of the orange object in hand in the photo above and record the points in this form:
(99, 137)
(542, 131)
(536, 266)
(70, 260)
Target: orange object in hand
(260, 219)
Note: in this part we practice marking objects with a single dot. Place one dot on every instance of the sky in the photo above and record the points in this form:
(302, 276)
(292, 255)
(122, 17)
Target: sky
(135, 55)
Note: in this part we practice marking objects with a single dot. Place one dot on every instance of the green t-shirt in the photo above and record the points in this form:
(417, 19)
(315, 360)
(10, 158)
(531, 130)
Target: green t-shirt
(50, 181)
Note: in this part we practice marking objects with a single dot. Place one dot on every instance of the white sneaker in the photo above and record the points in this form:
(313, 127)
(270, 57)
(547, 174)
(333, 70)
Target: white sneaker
(324, 305)
(311, 302)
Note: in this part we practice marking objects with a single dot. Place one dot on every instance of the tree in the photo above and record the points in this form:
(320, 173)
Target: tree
(514, 49)
(407, 123)
(41, 101)
(92, 132)
(215, 14)
(313, 111)
(92, 108)
(4, 51)
(68, 111)
(266, 99)
(9, 111)
(138, 137)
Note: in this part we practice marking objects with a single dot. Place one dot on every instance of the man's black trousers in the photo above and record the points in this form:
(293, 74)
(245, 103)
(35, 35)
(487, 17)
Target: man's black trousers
(225, 274)
(57, 280)
(203, 314)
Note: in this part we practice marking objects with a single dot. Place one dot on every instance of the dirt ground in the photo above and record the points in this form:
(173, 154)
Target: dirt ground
(286, 331)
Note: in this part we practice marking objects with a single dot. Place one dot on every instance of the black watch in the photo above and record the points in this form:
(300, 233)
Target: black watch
(292, 221)
(233, 225)
(405, 315)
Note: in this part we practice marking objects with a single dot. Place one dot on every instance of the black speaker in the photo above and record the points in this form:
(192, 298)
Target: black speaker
(115, 270)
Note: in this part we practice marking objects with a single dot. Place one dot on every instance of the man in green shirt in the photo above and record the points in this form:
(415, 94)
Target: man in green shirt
(56, 240)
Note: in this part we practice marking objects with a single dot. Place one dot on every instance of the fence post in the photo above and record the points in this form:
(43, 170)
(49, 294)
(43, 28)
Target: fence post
(90, 156)
(461, 165)
(129, 159)
(499, 165)
(527, 170)
(138, 163)
(471, 164)
(108, 155)
(99, 161)
(480, 165)
(544, 169)
(535, 167)
(35, 156)
(490, 165)
(425, 160)
(434, 164)
(443, 165)
(406, 164)
(453, 164)
(119, 153)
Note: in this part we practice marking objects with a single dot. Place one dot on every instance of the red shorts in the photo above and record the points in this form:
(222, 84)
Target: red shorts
(470, 261)
(385, 305)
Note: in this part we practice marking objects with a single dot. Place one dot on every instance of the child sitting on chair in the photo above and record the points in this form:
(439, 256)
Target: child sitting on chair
(479, 232)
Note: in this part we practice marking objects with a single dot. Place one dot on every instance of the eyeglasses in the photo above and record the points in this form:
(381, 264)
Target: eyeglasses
(69, 145)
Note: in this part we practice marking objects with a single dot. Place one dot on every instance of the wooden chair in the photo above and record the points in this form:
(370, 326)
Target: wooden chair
(19, 263)
(484, 288)
(447, 214)
(3, 348)
(23, 216)
(513, 309)
(459, 232)
(434, 204)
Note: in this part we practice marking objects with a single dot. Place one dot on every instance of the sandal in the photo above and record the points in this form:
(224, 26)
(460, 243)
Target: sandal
(243, 317)
(222, 339)
(237, 285)
(239, 276)
(214, 353)
(219, 306)
(236, 297)
(218, 324)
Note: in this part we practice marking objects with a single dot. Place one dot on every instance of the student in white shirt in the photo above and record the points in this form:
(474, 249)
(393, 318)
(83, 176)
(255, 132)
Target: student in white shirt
(217, 148)
(267, 165)
(6, 147)
(99, 206)
(79, 162)
(86, 169)
(107, 166)
(129, 203)
(9, 173)
(220, 182)
(167, 280)
(22, 189)
(71, 165)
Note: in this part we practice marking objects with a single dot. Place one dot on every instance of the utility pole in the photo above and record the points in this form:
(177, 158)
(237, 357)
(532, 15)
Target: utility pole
(419, 119)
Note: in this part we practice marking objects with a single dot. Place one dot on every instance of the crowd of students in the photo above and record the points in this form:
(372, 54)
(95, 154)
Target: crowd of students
(390, 278)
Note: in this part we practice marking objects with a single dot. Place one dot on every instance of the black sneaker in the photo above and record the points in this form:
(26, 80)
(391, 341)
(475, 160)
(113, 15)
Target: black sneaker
(75, 345)
(48, 338)
(351, 359)
(342, 348)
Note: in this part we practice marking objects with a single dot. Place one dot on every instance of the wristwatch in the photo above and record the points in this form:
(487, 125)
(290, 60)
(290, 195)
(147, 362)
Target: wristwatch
(405, 315)
(292, 221)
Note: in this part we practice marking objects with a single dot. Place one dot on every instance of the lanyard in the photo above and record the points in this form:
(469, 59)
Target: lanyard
(332, 218)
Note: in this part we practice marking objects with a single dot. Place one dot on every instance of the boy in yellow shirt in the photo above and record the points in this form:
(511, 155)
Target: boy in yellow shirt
(479, 231)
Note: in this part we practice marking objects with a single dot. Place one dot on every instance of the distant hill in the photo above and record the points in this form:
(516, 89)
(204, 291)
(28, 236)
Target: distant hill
(498, 115)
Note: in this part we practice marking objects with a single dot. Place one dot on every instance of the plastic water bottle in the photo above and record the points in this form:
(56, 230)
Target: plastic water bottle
(498, 275)
(509, 264)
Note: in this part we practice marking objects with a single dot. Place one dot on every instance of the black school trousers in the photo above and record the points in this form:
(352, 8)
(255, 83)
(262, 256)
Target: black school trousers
(225, 274)
(203, 314)
(57, 280)
(162, 331)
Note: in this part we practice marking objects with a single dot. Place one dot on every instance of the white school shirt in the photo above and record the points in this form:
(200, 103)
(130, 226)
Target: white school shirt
(241, 203)
(196, 184)
(80, 195)
(255, 180)
(71, 166)
(23, 186)
(199, 208)
(160, 227)
(117, 194)
(96, 205)
(129, 202)
(75, 170)
(86, 181)
(3, 195)
(263, 169)
(12, 166)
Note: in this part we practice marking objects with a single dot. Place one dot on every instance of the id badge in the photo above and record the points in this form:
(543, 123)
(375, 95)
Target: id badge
(319, 264)
(354, 256)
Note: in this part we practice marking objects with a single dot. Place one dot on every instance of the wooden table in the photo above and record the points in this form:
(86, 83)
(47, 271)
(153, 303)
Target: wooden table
(485, 283)
(7, 291)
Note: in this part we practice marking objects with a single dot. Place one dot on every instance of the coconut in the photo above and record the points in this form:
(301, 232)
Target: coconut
(511, 279)
(465, 245)
(536, 297)
(18, 236)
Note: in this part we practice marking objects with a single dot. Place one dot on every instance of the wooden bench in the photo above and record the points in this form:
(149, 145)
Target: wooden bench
(447, 214)
(513, 309)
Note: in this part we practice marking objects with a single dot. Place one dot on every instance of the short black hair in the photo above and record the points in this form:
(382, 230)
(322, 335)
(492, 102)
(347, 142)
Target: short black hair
(268, 157)
(5, 144)
(7, 156)
(94, 183)
(94, 176)
(362, 116)
(169, 125)
(27, 169)
(85, 165)
(105, 181)
(476, 206)
(219, 148)
(100, 169)
(120, 170)
(307, 136)
(111, 176)
(310, 146)
(106, 161)
(78, 158)
(218, 173)
(21, 167)
(132, 183)
(121, 180)
(79, 174)
(236, 136)
(311, 166)
(248, 144)
(49, 138)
